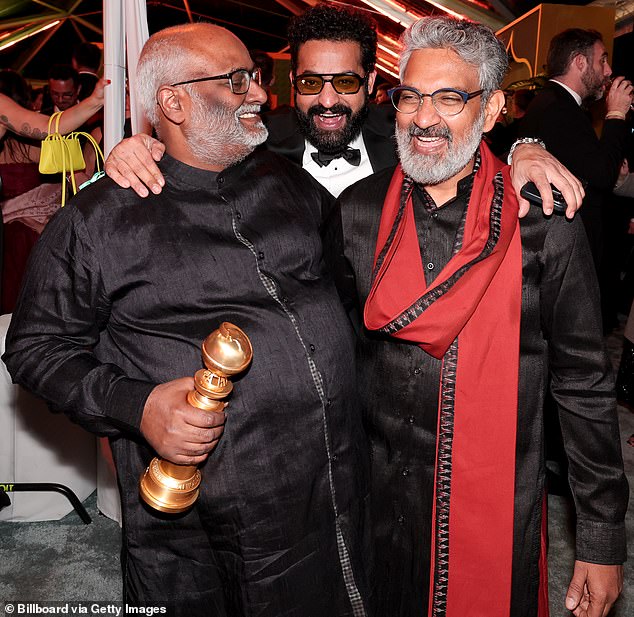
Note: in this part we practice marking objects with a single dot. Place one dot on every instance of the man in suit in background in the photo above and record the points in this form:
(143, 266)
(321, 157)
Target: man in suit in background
(577, 65)
(579, 73)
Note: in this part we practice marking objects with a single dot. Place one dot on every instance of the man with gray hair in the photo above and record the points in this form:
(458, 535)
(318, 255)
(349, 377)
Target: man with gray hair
(117, 300)
(467, 309)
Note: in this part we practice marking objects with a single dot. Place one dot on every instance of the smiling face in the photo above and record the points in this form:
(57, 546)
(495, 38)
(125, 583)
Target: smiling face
(222, 127)
(329, 120)
(434, 149)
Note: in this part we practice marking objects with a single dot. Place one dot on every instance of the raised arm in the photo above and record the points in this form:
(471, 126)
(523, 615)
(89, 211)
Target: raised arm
(15, 118)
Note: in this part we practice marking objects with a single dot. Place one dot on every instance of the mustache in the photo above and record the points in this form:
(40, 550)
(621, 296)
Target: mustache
(319, 109)
(432, 131)
(248, 109)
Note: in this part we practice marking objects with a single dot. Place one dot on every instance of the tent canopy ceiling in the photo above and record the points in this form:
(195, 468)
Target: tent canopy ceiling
(260, 24)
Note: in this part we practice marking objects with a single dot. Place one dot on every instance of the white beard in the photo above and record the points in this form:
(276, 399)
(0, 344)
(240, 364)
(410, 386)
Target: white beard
(433, 169)
(216, 136)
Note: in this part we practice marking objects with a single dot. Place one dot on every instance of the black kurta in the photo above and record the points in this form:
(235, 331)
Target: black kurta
(560, 332)
(120, 294)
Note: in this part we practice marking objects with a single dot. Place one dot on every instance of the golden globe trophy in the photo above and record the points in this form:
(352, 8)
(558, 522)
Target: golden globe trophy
(227, 351)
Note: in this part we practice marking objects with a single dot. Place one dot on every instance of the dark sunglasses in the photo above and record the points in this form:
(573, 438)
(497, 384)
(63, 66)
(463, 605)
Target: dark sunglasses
(343, 83)
(239, 80)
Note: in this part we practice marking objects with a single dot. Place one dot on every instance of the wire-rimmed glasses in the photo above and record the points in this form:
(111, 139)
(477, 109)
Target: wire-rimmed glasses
(239, 80)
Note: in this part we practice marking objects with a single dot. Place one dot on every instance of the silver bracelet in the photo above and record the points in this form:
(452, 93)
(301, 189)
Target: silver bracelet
(524, 140)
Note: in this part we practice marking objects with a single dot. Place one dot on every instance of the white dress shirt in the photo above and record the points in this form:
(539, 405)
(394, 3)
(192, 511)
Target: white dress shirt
(339, 174)
(574, 95)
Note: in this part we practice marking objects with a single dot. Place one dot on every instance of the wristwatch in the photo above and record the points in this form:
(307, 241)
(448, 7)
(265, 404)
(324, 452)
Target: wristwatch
(524, 140)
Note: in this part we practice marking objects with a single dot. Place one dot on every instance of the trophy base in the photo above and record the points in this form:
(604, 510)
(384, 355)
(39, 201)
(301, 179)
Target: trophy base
(166, 492)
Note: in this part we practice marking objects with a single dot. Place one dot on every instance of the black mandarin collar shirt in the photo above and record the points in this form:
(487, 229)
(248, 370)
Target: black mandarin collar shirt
(438, 227)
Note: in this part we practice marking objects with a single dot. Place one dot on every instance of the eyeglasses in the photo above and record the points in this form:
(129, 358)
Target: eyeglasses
(239, 80)
(446, 101)
(343, 83)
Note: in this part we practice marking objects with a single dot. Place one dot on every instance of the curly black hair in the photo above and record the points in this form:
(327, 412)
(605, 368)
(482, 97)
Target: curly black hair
(326, 22)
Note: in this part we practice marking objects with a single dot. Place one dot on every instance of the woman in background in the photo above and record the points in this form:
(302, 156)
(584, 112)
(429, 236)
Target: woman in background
(24, 216)
(16, 118)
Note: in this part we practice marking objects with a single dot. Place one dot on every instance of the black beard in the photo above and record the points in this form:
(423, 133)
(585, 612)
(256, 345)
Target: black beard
(331, 142)
(595, 87)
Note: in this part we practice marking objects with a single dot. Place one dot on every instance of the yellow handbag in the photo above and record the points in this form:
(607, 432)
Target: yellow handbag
(60, 154)
(63, 154)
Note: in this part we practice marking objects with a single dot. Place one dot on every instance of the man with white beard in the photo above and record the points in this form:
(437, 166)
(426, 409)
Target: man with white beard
(467, 309)
(117, 300)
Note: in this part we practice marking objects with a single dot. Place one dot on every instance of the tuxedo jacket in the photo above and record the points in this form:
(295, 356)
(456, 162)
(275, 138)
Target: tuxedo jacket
(566, 129)
(378, 135)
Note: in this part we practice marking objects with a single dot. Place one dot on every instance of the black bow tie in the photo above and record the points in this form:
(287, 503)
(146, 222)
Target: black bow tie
(352, 155)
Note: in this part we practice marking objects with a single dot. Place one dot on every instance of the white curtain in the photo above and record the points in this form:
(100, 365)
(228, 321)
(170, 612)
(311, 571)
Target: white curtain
(136, 35)
(124, 25)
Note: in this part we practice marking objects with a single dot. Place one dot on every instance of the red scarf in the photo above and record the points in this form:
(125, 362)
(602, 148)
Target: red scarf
(469, 317)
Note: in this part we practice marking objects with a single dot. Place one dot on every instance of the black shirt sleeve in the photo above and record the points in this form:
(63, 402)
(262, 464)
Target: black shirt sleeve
(58, 320)
(582, 385)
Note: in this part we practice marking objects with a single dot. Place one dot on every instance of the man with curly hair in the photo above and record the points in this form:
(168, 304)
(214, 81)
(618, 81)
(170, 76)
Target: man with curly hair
(333, 132)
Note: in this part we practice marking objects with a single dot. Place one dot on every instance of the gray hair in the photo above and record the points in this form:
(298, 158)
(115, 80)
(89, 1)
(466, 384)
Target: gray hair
(163, 58)
(475, 43)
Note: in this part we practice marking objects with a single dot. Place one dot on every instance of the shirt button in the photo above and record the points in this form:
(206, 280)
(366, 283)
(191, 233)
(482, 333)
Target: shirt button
(434, 215)
(400, 520)
(238, 215)
(221, 181)
(417, 371)
(430, 266)
(411, 419)
(405, 472)
(329, 403)
(312, 349)
(261, 255)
